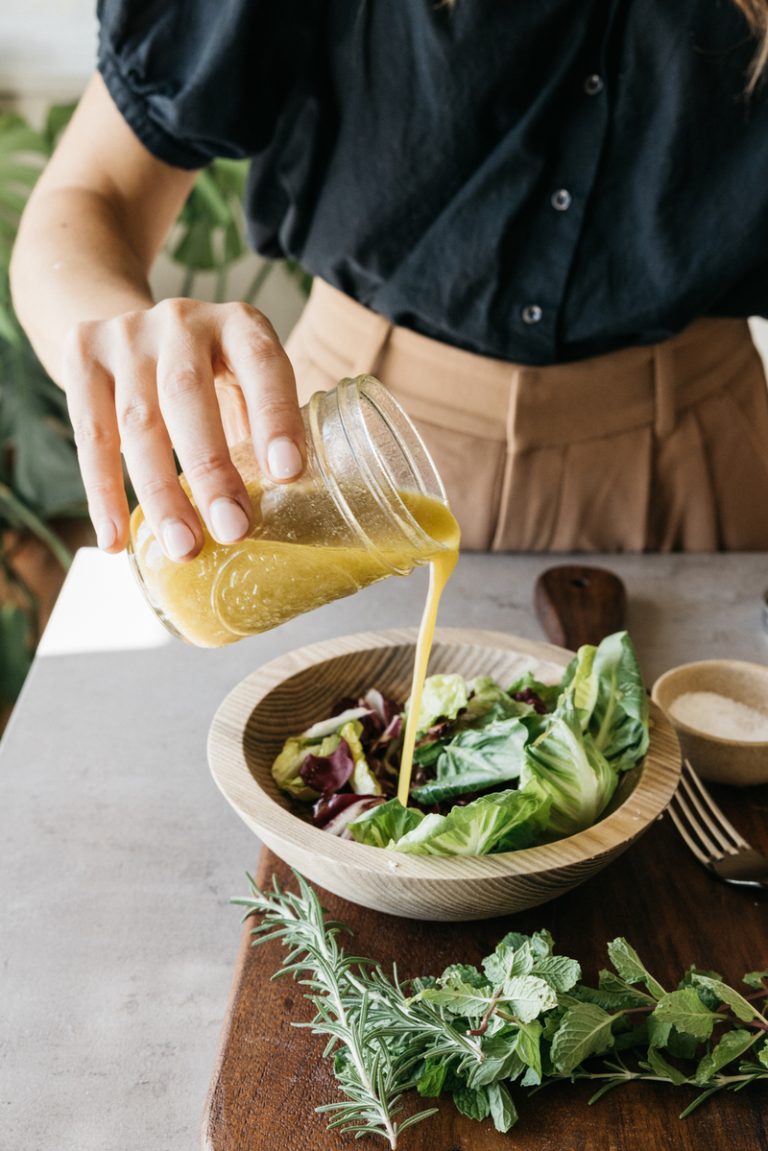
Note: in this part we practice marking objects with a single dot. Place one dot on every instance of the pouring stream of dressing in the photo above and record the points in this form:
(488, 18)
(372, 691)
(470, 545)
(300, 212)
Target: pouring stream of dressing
(440, 568)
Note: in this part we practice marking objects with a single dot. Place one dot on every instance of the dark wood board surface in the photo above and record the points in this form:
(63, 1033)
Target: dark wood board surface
(270, 1076)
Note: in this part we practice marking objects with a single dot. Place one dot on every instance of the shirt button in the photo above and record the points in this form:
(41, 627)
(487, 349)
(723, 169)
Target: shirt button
(532, 314)
(593, 84)
(561, 200)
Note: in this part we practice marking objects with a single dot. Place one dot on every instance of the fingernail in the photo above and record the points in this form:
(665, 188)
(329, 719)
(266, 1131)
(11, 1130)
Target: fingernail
(284, 459)
(178, 539)
(228, 520)
(106, 535)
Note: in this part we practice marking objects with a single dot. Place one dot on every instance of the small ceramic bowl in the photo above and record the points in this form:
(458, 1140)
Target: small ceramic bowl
(292, 692)
(720, 759)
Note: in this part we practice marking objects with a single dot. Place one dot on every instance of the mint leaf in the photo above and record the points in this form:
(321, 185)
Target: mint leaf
(507, 961)
(740, 1006)
(684, 1010)
(762, 1054)
(459, 973)
(528, 1047)
(661, 1033)
(614, 994)
(526, 996)
(472, 1102)
(500, 1059)
(584, 1030)
(756, 979)
(658, 1063)
(630, 967)
(541, 942)
(502, 1108)
(559, 971)
(459, 999)
(432, 1079)
(731, 1046)
(706, 994)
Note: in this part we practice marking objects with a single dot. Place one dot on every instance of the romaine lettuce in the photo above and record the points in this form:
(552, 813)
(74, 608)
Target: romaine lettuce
(386, 823)
(501, 821)
(606, 689)
(442, 697)
(565, 762)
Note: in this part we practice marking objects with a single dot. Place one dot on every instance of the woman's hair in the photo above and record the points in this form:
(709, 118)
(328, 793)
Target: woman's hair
(756, 15)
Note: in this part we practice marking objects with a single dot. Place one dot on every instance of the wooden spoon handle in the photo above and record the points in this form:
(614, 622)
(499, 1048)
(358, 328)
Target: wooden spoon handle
(576, 604)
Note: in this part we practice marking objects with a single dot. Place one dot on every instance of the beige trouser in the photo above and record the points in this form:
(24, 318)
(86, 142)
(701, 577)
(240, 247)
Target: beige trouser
(661, 448)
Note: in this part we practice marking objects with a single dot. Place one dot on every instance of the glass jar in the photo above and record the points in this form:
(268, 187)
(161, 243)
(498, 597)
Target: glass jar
(369, 504)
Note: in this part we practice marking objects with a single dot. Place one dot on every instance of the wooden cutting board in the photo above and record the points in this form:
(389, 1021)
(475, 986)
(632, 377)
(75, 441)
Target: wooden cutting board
(270, 1076)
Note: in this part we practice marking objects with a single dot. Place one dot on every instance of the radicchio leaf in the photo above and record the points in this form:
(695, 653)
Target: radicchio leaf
(386, 709)
(327, 773)
(528, 695)
(329, 806)
(339, 823)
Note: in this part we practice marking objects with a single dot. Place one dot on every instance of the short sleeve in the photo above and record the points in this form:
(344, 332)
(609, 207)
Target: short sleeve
(200, 79)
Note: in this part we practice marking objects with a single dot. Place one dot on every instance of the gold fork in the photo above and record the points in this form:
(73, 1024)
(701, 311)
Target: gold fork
(713, 840)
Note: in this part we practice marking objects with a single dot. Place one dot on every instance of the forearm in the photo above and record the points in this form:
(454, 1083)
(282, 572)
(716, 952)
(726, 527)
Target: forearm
(73, 261)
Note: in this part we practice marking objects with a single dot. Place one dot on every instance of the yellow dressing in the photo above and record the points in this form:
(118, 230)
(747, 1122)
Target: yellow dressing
(446, 530)
(233, 590)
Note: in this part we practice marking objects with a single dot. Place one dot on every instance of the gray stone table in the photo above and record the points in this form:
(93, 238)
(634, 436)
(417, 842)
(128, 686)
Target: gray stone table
(119, 855)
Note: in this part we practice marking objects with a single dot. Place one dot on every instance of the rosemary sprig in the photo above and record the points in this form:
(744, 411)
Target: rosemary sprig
(357, 1008)
(522, 1016)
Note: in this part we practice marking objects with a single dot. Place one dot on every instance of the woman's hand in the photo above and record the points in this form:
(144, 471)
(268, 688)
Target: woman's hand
(183, 376)
(143, 377)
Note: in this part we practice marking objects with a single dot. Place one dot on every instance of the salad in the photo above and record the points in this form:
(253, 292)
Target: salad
(496, 767)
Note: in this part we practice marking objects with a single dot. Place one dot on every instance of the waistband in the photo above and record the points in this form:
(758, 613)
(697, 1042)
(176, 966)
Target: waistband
(521, 404)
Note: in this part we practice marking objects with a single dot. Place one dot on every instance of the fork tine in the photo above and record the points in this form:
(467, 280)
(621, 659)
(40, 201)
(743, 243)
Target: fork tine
(705, 825)
(682, 827)
(689, 817)
(690, 777)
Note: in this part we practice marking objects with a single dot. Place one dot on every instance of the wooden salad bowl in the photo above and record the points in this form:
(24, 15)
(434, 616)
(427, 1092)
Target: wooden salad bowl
(287, 695)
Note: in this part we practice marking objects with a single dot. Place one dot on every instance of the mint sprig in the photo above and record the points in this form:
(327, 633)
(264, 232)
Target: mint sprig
(522, 1018)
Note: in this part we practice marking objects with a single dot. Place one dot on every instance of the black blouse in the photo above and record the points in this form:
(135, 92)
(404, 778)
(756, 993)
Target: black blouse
(537, 180)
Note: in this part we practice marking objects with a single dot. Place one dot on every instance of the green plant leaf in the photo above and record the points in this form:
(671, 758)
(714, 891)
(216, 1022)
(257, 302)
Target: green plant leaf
(472, 1102)
(740, 1006)
(684, 1011)
(732, 1045)
(527, 996)
(659, 1064)
(629, 966)
(584, 1030)
(17, 647)
(502, 1108)
(432, 1079)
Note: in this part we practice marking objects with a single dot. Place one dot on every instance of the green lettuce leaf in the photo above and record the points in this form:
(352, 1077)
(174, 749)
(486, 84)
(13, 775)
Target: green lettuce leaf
(605, 687)
(488, 702)
(501, 821)
(362, 780)
(572, 771)
(476, 759)
(381, 826)
(443, 697)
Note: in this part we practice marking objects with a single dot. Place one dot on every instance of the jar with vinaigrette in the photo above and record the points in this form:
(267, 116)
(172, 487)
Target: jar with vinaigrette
(369, 504)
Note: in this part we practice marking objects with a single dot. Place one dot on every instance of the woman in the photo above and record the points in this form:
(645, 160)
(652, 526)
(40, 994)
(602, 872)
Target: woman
(544, 230)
